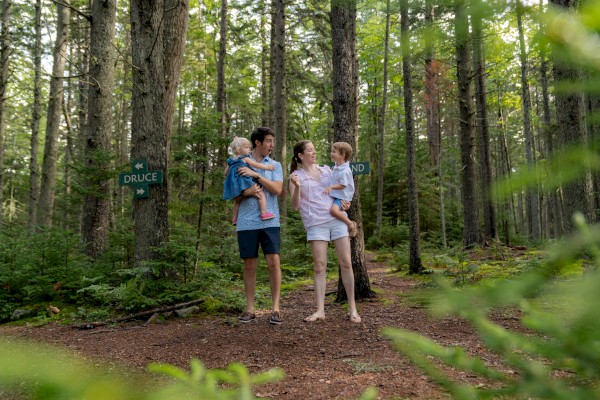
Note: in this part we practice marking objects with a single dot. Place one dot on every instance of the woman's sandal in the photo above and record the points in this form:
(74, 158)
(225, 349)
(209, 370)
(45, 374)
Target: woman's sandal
(354, 318)
(314, 317)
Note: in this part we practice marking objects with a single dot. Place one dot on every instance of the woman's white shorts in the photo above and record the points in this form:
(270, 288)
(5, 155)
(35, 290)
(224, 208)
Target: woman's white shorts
(327, 231)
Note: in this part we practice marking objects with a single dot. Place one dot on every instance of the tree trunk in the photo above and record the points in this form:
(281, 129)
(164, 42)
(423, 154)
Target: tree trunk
(432, 113)
(221, 100)
(36, 115)
(345, 123)
(56, 95)
(471, 231)
(148, 124)
(381, 121)
(264, 71)
(68, 214)
(485, 164)
(594, 109)
(122, 128)
(415, 266)
(279, 79)
(432, 100)
(98, 155)
(571, 131)
(5, 51)
(175, 27)
(555, 216)
(533, 209)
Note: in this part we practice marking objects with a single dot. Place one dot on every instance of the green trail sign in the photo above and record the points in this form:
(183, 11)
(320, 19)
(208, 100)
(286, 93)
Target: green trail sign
(140, 178)
(358, 168)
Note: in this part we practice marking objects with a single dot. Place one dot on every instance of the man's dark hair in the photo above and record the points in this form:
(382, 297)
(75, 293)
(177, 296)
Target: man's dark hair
(260, 133)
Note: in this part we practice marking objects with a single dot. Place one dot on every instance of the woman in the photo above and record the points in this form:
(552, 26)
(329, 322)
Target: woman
(308, 182)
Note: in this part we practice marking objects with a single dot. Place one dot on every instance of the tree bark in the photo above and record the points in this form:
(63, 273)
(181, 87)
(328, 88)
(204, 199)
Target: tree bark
(56, 95)
(148, 125)
(175, 27)
(533, 209)
(36, 115)
(571, 131)
(279, 79)
(264, 71)
(415, 266)
(345, 123)
(381, 121)
(471, 231)
(221, 100)
(5, 51)
(432, 114)
(98, 155)
(483, 136)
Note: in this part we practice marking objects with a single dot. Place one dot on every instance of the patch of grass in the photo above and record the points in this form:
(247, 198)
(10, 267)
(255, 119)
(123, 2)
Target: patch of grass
(361, 366)
(418, 297)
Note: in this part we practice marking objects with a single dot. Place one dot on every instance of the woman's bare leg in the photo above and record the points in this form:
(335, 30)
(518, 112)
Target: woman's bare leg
(342, 248)
(319, 252)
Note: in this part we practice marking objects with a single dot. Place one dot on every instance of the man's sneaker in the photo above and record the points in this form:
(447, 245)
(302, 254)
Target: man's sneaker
(275, 318)
(246, 317)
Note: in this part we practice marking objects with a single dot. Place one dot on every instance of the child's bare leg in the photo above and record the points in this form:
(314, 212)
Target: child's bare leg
(342, 216)
(262, 202)
(236, 208)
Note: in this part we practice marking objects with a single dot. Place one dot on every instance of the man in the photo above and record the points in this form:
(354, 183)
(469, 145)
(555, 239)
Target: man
(252, 231)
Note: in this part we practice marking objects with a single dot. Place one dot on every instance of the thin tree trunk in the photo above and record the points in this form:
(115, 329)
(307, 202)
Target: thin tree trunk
(345, 123)
(485, 165)
(533, 211)
(4, 64)
(36, 115)
(221, 101)
(415, 266)
(56, 95)
(279, 79)
(432, 112)
(175, 28)
(381, 121)
(122, 129)
(264, 71)
(571, 131)
(97, 179)
(471, 231)
(67, 212)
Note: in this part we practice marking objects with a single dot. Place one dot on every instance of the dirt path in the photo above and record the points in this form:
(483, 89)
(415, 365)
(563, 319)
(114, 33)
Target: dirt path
(324, 360)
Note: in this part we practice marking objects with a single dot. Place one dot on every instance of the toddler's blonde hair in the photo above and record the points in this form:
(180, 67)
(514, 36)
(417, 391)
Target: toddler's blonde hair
(344, 149)
(236, 144)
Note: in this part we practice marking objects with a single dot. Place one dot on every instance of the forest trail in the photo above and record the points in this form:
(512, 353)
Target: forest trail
(330, 359)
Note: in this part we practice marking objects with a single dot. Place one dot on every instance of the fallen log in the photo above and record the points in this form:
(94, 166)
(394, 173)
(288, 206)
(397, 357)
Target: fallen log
(92, 325)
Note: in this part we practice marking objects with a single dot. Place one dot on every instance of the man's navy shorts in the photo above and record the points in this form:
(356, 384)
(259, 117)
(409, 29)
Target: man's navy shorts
(268, 238)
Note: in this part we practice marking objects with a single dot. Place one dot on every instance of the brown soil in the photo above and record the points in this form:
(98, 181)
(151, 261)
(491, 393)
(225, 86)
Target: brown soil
(330, 359)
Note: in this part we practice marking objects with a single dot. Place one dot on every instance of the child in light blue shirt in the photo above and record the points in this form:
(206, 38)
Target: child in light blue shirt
(342, 184)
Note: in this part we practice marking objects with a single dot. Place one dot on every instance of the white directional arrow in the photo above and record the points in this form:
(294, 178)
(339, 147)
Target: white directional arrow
(139, 166)
(139, 191)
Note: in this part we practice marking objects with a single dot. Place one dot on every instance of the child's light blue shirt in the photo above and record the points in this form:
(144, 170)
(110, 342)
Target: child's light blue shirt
(342, 174)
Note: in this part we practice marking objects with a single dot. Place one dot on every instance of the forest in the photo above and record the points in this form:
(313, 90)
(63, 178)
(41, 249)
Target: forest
(477, 123)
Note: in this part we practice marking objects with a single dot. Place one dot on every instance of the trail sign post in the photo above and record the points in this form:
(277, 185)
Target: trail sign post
(140, 178)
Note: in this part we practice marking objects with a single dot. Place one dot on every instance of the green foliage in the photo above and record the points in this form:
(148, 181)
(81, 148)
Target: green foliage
(43, 267)
(61, 376)
(390, 237)
(560, 360)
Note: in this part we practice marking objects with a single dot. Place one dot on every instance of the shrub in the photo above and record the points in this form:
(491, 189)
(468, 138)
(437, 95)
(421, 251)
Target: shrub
(561, 360)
